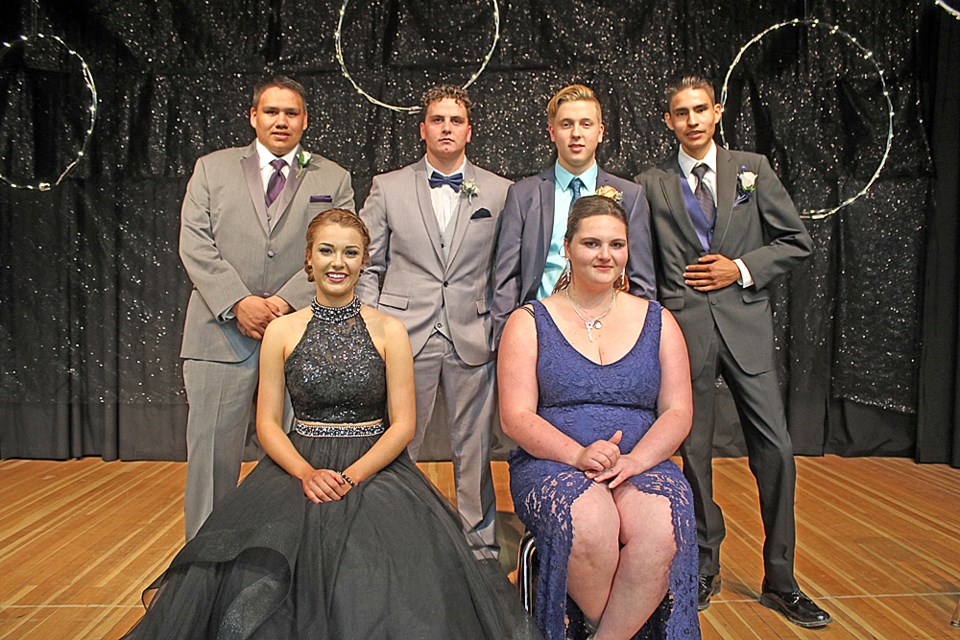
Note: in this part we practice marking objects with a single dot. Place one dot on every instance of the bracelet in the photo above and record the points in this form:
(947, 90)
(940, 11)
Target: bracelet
(346, 478)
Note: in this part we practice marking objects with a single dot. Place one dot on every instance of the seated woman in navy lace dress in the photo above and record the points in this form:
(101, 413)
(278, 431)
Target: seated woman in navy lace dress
(336, 535)
(595, 388)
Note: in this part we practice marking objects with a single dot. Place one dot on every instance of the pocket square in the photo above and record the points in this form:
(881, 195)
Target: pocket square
(479, 214)
(741, 198)
(321, 198)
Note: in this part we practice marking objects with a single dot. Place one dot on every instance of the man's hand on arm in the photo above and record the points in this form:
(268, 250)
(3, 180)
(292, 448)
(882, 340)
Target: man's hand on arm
(711, 272)
(253, 314)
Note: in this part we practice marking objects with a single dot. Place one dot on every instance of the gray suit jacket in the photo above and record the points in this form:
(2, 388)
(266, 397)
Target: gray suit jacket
(231, 250)
(526, 228)
(761, 228)
(407, 276)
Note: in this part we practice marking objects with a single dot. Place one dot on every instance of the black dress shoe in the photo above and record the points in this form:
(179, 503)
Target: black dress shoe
(796, 607)
(707, 586)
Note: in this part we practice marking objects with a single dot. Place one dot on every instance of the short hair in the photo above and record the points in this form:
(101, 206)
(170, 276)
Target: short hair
(282, 82)
(587, 207)
(341, 217)
(572, 93)
(443, 92)
(691, 81)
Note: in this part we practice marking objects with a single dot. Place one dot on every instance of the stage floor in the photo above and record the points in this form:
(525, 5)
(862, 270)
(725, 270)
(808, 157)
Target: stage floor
(879, 546)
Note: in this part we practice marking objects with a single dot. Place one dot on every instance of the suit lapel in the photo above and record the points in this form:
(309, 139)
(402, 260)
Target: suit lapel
(460, 216)
(425, 204)
(548, 181)
(726, 189)
(673, 194)
(294, 178)
(251, 172)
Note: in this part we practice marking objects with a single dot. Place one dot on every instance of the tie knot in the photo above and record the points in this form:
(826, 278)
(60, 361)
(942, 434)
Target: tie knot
(278, 164)
(700, 170)
(576, 185)
(454, 181)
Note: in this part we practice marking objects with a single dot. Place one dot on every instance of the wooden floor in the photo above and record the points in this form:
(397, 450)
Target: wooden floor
(879, 546)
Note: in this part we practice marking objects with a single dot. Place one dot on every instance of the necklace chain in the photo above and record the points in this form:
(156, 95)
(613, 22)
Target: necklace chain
(588, 322)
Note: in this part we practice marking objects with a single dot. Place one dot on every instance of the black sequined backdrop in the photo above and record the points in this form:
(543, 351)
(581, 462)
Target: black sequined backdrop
(92, 292)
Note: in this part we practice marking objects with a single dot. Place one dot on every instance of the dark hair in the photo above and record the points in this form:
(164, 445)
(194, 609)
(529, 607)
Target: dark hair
(588, 207)
(691, 81)
(282, 82)
(442, 92)
(342, 217)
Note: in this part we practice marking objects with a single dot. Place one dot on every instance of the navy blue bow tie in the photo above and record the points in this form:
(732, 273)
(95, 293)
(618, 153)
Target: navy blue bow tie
(437, 179)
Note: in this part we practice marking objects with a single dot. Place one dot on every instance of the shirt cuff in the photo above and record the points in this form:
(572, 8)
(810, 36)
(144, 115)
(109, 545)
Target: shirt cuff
(746, 280)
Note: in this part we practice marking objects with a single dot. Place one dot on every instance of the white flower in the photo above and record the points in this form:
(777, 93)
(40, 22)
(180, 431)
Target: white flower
(303, 160)
(469, 189)
(748, 180)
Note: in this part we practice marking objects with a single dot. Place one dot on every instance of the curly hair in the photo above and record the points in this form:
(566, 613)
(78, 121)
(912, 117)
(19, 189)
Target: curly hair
(443, 92)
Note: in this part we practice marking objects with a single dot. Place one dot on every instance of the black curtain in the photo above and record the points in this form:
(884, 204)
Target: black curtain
(92, 292)
(938, 431)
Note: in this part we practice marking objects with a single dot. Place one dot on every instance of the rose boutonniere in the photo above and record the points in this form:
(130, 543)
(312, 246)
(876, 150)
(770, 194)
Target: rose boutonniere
(469, 190)
(303, 160)
(747, 180)
(609, 192)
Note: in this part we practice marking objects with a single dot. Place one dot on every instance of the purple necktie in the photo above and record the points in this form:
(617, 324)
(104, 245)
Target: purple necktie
(702, 193)
(276, 182)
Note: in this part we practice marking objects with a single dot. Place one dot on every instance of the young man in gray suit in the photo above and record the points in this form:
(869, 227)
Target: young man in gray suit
(530, 240)
(724, 228)
(432, 228)
(242, 230)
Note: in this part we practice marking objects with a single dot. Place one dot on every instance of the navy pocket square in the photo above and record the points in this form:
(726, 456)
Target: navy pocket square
(741, 198)
(480, 214)
(321, 198)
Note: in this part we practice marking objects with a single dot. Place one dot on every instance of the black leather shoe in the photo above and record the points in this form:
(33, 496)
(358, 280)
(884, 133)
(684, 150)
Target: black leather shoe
(796, 607)
(707, 586)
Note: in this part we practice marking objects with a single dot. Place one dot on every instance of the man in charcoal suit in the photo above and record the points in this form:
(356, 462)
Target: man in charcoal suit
(724, 228)
(530, 240)
(432, 225)
(243, 223)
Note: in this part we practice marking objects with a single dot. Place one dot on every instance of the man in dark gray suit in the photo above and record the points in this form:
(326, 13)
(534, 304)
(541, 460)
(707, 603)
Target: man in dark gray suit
(432, 226)
(242, 230)
(530, 239)
(724, 228)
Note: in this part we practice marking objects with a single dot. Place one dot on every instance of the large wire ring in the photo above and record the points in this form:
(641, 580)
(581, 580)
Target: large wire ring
(411, 108)
(91, 111)
(943, 5)
(866, 54)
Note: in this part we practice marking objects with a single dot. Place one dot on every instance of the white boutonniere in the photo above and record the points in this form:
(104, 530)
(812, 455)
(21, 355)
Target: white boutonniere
(469, 190)
(747, 180)
(303, 161)
(609, 192)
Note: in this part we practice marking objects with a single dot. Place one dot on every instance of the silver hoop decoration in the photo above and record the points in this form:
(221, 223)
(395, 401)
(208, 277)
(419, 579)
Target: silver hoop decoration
(412, 108)
(91, 111)
(866, 54)
(943, 5)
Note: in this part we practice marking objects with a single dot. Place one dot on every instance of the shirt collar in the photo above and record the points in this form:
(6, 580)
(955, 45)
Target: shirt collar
(266, 156)
(688, 162)
(588, 177)
(431, 168)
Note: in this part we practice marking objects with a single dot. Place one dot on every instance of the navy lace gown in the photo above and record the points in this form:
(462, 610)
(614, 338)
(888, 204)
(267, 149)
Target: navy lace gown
(587, 402)
(389, 561)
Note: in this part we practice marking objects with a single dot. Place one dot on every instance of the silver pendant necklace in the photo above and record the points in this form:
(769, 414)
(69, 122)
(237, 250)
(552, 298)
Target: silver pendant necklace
(590, 323)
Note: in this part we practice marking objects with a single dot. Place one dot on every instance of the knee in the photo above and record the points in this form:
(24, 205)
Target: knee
(595, 546)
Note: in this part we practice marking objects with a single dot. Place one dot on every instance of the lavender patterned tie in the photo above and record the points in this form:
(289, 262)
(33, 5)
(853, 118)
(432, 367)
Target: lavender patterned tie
(702, 193)
(276, 182)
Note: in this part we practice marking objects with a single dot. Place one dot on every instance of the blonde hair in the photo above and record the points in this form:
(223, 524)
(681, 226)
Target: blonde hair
(572, 93)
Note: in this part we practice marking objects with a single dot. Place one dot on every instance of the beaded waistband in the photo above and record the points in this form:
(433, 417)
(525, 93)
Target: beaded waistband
(339, 429)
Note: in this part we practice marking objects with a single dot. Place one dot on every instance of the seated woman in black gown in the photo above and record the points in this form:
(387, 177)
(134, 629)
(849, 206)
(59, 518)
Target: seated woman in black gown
(336, 535)
(595, 388)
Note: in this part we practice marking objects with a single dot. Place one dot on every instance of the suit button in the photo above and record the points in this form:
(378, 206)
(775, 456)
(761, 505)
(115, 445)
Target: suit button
(270, 253)
(439, 325)
(445, 283)
(713, 301)
(266, 294)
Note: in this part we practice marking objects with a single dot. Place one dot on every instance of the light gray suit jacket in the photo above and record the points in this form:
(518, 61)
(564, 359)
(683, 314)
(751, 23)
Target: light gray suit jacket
(526, 228)
(407, 276)
(231, 250)
(762, 228)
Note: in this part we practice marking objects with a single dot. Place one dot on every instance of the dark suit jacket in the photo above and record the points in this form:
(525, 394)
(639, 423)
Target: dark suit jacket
(762, 228)
(523, 241)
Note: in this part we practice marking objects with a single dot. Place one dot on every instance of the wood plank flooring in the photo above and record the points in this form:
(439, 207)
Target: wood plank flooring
(879, 546)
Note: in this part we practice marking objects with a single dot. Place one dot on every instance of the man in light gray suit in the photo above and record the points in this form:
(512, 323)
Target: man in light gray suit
(724, 228)
(530, 240)
(432, 226)
(242, 230)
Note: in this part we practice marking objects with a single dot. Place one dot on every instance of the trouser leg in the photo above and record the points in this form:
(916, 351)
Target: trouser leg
(426, 376)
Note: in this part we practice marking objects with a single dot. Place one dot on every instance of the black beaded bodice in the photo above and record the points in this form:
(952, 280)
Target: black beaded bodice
(335, 374)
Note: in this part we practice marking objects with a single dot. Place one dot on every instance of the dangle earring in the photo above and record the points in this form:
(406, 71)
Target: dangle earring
(622, 282)
(565, 279)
